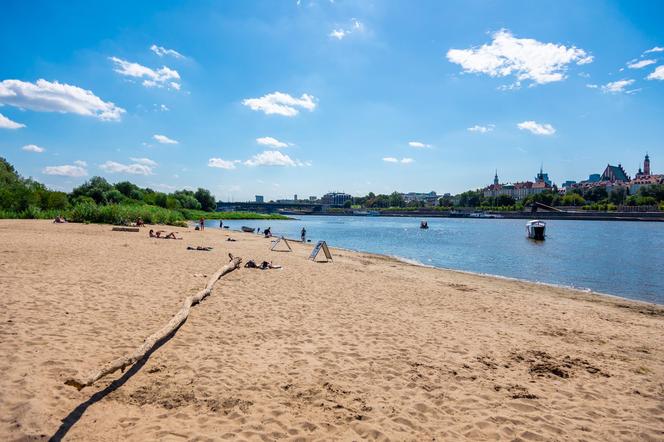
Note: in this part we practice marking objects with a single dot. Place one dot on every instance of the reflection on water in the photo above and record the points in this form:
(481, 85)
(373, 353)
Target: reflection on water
(620, 258)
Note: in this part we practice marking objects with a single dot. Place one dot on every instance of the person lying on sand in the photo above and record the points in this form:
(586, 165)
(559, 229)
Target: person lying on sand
(251, 264)
(205, 249)
(59, 219)
(230, 239)
(158, 234)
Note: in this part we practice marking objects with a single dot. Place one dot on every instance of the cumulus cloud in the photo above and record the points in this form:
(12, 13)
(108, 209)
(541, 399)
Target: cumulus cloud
(163, 139)
(161, 77)
(271, 142)
(655, 49)
(640, 64)
(71, 170)
(33, 148)
(133, 169)
(6, 123)
(145, 161)
(396, 160)
(280, 103)
(481, 129)
(537, 128)
(274, 158)
(418, 144)
(616, 86)
(162, 51)
(341, 33)
(46, 96)
(525, 58)
(657, 74)
(81, 163)
(221, 164)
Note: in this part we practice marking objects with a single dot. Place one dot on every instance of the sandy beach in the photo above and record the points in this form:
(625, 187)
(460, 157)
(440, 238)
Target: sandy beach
(365, 347)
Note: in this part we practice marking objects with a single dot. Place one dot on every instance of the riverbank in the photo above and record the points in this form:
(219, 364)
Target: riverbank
(365, 346)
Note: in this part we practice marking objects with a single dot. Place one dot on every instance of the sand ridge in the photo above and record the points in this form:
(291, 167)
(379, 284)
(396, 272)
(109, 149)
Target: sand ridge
(365, 347)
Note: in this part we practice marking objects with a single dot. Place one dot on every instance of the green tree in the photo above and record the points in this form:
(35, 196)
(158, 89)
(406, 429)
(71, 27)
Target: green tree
(573, 199)
(205, 198)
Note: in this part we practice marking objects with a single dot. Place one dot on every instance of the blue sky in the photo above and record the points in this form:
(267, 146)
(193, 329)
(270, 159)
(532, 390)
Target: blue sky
(278, 98)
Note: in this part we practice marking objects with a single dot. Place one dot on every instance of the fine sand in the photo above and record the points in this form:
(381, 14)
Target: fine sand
(365, 347)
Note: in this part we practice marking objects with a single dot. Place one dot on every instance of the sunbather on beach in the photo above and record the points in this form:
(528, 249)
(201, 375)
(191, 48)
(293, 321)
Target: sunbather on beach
(203, 248)
(251, 264)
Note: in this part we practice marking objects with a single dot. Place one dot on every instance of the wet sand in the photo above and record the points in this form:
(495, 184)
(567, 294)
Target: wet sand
(365, 347)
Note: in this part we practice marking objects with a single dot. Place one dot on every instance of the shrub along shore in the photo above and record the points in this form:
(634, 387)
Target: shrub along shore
(98, 201)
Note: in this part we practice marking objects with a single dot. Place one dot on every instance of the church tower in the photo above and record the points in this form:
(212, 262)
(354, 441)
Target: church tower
(646, 165)
(495, 178)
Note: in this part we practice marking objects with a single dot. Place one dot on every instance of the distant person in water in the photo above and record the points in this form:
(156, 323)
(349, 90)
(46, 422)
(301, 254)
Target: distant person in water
(201, 223)
(267, 232)
(303, 234)
(221, 224)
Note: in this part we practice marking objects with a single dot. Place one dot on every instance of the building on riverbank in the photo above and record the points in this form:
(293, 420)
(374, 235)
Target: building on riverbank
(519, 190)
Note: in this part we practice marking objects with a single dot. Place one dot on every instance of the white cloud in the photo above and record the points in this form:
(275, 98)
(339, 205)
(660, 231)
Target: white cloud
(33, 148)
(221, 164)
(640, 64)
(592, 86)
(81, 163)
(152, 78)
(66, 170)
(163, 139)
(272, 142)
(337, 33)
(273, 158)
(340, 33)
(145, 161)
(525, 58)
(133, 169)
(6, 123)
(161, 51)
(46, 96)
(655, 49)
(161, 107)
(280, 103)
(537, 128)
(657, 74)
(616, 86)
(482, 129)
(396, 160)
(418, 144)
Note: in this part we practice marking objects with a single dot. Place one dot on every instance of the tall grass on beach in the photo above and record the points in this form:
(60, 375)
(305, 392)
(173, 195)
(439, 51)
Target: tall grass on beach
(89, 212)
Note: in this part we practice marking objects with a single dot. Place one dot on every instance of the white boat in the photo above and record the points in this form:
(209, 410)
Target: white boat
(536, 229)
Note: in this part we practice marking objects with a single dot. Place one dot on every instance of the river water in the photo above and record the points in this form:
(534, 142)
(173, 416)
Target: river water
(619, 258)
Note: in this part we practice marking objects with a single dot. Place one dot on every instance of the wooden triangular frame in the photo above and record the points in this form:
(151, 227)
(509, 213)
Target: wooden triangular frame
(321, 245)
(278, 241)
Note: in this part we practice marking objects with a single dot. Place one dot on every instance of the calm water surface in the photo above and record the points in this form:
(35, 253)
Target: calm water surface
(619, 258)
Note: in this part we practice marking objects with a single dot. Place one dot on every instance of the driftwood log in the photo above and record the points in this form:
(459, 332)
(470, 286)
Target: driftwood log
(172, 325)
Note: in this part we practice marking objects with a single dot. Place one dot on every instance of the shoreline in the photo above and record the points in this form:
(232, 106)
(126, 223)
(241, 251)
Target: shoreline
(414, 262)
(366, 346)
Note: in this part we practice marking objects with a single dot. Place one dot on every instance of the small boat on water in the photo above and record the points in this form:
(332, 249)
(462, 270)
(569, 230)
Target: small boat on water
(248, 229)
(536, 229)
(424, 225)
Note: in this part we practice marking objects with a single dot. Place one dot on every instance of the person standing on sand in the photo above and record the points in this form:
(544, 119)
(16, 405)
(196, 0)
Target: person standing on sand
(201, 223)
(303, 234)
(221, 224)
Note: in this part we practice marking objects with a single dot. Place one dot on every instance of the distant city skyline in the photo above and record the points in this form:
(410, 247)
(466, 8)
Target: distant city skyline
(279, 98)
